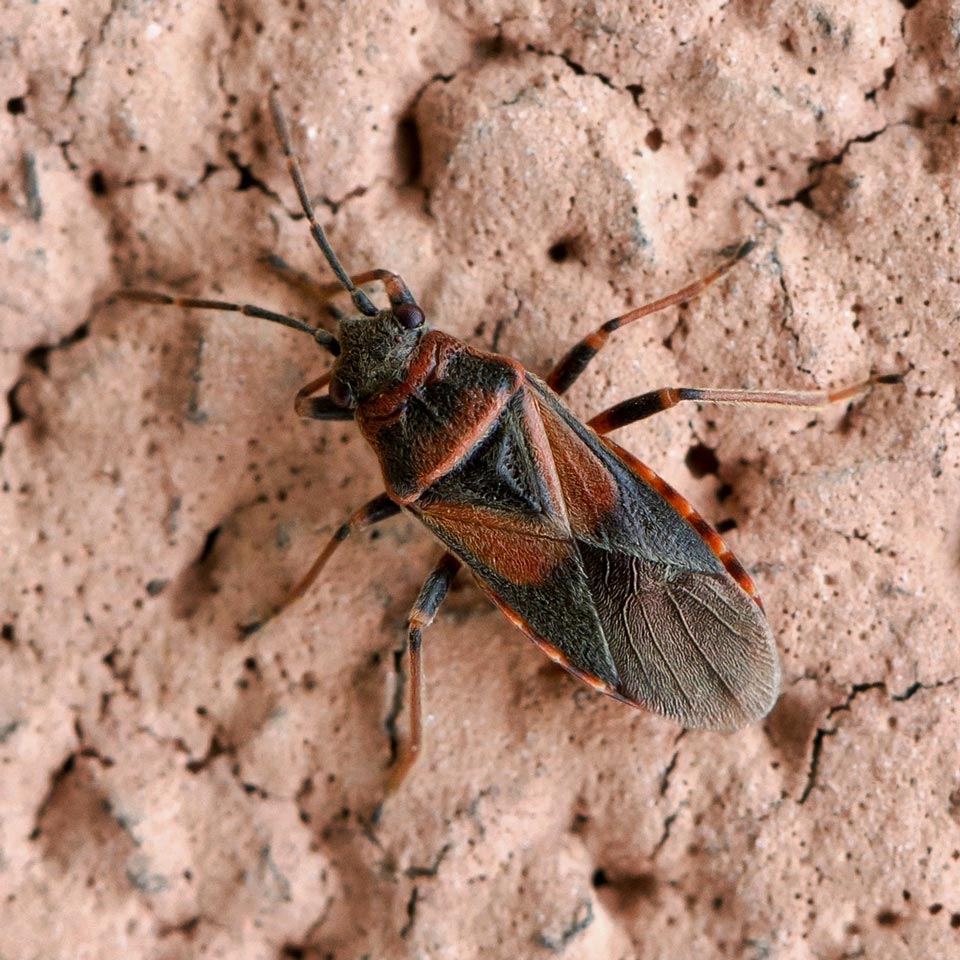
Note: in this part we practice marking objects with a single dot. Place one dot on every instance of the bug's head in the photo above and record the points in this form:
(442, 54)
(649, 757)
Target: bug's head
(372, 350)
(375, 352)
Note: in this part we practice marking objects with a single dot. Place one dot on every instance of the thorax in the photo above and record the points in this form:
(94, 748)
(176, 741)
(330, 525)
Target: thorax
(424, 426)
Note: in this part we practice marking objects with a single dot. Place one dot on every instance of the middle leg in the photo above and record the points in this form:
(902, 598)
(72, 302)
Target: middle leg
(319, 408)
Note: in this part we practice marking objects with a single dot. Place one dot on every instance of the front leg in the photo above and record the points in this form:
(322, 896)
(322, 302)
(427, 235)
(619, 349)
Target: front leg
(372, 512)
(319, 408)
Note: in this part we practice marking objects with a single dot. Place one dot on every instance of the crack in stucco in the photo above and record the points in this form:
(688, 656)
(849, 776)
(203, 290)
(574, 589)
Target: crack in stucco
(87, 49)
(816, 167)
(411, 912)
(390, 725)
(668, 822)
(37, 358)
(671, 764)
(667, 771)
(856, 534)
(633, 90)
(434, 868)
(917, 686)
(581, 919)
(845, 706)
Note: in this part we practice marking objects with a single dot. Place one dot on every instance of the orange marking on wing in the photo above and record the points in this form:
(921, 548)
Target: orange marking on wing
(588, 488)
(520, 549)
(679, 503)
(541, 449)
(709, 536)
(706, 532)
(735, 569)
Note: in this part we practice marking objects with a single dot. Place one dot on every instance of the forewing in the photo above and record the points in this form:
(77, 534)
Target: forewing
(686, 639)
(691, 646)
(501, 512)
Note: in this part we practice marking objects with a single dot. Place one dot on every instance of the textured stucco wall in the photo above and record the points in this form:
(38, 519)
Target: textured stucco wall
(172, 788)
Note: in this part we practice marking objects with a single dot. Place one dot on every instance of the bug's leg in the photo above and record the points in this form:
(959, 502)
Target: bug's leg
(576, 360)
(647, 404)
(319, 408)
(377, 509)
(397, 290)
(424, 610)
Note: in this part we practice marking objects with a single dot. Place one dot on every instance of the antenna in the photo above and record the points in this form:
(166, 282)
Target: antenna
(360, 300)
(326, 340)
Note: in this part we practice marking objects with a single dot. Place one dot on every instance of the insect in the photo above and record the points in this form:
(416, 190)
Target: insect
(594, 557)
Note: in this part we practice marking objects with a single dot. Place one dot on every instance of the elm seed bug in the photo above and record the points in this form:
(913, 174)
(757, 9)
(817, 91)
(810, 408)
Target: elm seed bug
(594, 557)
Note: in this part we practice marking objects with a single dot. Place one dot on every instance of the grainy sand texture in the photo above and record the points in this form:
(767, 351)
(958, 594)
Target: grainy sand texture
(173, 785)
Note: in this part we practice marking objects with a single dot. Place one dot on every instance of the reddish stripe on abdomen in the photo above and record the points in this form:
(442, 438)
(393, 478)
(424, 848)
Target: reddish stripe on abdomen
(703, 529)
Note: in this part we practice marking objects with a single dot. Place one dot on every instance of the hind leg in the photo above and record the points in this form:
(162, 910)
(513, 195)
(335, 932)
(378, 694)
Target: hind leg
(424, 610)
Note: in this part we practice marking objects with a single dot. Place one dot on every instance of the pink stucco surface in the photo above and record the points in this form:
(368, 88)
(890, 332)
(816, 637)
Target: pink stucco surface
(172, 786)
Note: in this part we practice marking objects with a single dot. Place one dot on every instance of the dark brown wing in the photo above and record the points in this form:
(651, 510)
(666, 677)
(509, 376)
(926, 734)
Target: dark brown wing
(606, 567)
(688, 645)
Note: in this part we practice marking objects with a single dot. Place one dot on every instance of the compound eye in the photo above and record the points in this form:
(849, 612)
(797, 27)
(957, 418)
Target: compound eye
(340, 393)
(409, 315)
